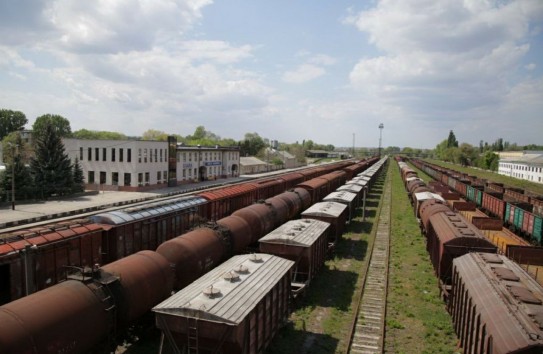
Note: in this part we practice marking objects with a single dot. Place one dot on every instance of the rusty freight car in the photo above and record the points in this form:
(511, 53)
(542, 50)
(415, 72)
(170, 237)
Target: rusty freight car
(495, 305)
(236, 308)
(303, 241)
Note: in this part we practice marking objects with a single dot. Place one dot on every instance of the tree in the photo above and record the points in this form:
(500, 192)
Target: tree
(14, 139)
(51, 167)
(11, 121)
(156, 135)
(60, 124)
(252, 145)
(98, 135)
(489, 161)
(78, 177)
(451, 140)
(23, 180)
(466, 154)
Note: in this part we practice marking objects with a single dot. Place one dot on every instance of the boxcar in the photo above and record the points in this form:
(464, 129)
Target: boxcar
(495, 305)
(37, 258)
(303, 241)
(145, 227)
(237, 307)
(331, 212)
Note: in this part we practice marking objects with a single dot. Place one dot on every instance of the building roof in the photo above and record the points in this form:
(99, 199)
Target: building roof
(528, 159)
(229, 292)
(251, 161)
(285, 154)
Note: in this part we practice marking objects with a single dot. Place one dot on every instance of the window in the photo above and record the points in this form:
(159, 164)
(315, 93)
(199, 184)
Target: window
(184, 173)
(81, 153)
(156, 152)
(113, 154)
(150, 155)
(145, 155)
(127, 179)
(89, 154)
(121, 153)
(140, 179)
(160, 155)
(104, 154)
(146, 178)
(158, 175)
(96, 154)
(128, 155)
(139, 155)
(91, 177)
(165, 175)
(102, 177)
(115, 178)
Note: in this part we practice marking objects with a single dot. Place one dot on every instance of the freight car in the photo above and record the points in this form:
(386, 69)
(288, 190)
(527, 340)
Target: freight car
(36, 258)
(121, 291)
(495, 306)
(517, 208)
(206, 316)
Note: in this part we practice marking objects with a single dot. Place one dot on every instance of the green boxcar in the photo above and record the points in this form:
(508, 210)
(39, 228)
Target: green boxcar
(479, 197)
(470, 193)
(538, 228)
(519, 217)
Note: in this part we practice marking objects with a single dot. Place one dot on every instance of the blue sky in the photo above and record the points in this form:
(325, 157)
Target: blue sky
(287, 70)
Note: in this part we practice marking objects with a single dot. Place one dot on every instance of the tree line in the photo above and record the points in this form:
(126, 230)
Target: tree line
(484, 156)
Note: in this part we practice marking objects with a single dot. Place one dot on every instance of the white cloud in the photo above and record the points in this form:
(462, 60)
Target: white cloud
(304, 73)
(442, 57)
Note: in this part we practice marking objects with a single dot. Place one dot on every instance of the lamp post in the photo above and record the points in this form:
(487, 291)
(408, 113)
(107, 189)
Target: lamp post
(381, 126)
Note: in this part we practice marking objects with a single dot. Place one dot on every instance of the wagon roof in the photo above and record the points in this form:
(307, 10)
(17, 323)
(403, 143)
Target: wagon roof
(340, 197)
(302, 232)
(356, 188)
(508, 299)
(236, 287)
(325, 209)
(122, 216)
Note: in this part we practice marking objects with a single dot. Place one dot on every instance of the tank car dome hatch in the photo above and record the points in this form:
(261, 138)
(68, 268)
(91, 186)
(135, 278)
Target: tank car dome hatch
(231, 276)
(211, 292)
(241, 269)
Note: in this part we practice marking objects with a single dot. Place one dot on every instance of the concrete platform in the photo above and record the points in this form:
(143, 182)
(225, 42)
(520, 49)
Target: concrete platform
(30, 212)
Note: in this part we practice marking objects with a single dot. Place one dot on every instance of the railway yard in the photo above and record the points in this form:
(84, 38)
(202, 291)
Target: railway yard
(366, 256)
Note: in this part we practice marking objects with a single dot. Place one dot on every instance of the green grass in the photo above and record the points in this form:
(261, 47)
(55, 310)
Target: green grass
(417, 321)
(536, 188)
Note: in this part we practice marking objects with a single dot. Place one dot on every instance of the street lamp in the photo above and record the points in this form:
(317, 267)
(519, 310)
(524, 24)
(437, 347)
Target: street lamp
(381, 126)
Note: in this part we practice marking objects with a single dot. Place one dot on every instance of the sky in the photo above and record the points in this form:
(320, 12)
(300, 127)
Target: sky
(328, 71)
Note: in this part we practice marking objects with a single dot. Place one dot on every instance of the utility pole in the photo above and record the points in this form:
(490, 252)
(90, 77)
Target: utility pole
(353, 144)
(381, 126)
(14, 148)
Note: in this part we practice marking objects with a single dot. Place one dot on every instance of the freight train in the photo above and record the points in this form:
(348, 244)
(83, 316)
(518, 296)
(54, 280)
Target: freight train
(515, 207)
(82, 311)
(33, 259)
(495, 304)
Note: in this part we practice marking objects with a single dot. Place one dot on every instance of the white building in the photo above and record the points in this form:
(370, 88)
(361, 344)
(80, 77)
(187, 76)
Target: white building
(526, 165)
(206, 162)
(131, 165)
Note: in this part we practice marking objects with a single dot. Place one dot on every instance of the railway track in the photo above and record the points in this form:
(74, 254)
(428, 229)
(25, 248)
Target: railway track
(369, 330)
